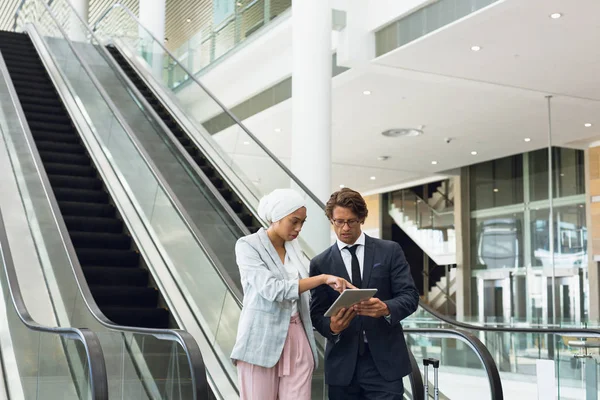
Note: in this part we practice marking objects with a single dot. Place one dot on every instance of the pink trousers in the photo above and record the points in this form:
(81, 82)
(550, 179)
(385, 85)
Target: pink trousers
(289, 379)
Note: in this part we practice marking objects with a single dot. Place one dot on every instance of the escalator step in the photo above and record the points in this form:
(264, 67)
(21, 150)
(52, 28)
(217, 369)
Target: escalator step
(144, 317)
(64, 158)
(31, 78)
(30, 86)
(26, 100)
(75, 182)
(31, 108)
(41, 125)
(218, 182)
(235, 205)
(208, 171)
(184, 141)
(191, 150)
(101, 240)
(115, 258)
(245, 218)
(107, 276)
(55, 137)
(25, 68)
(59, 147)
(93, 224)
(80, 195)
(72, 170)
(40, 93)
(200, 160)
(125, 296)
(53, 120)
(70, 208)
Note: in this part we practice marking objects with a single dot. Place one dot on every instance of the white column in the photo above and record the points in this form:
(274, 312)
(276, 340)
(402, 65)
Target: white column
(311, 108)
(77, 30)
(152, 17)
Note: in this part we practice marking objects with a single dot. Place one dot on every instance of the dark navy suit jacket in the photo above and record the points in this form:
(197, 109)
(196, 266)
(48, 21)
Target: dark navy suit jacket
(385, 269)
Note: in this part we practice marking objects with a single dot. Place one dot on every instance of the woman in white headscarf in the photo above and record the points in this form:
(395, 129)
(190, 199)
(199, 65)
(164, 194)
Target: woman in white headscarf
(275, 348)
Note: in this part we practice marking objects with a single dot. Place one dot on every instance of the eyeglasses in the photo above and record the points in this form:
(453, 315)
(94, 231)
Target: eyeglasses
(341, 222)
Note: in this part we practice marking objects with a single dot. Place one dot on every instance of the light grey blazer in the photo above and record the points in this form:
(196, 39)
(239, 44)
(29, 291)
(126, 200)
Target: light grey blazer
(267, 308)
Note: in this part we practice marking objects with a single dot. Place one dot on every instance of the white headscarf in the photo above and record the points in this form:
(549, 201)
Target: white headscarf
(279, 203)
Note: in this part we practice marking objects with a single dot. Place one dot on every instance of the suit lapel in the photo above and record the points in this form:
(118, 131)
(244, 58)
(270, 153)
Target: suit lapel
(368, 262)
(266, 242)
(338, 263)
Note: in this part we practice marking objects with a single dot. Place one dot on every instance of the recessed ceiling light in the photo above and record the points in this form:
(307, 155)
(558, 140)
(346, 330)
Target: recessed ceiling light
(555, 15)
(342, 186)
(562, 174)
(496, 190)
(188, 20)
(367, 92)
(473, 153)
(475, 48)
(434, 162)
(581, 205)
(587, 125)
(246, 143)
(401, 132)
(527, 139)
(383, 158)
(277, 130)
(166, 39)
(373, 178)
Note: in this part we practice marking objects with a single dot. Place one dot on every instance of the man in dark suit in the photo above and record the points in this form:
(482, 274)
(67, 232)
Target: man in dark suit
(366, 355)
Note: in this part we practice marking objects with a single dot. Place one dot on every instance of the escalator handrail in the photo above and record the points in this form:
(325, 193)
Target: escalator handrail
(493, 375)
(573, 332)
(183, 338)
(415, 378)
(287, 171)
(93, 349)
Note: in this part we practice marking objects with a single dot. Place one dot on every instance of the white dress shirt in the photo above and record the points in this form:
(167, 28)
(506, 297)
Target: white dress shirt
(360, 254)
(347, 256)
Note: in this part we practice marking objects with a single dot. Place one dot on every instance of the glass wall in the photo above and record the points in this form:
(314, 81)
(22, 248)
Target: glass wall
(518, 273)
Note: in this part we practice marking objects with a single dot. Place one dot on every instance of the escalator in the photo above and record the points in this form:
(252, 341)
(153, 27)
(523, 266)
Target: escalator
(236, 204)
(112, 266)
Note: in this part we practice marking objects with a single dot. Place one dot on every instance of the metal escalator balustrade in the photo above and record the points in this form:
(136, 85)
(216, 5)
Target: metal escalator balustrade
(32, 347)
(516, 347)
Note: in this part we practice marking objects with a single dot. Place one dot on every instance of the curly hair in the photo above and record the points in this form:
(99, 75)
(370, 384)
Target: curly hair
(347, 198)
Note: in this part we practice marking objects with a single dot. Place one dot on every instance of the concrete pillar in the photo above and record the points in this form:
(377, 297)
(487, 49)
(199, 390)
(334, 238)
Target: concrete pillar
(311, 108)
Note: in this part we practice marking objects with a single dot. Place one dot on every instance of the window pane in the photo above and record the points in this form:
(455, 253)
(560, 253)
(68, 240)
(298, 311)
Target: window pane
(568, 173)
(570, 237)
(496, 242)
(497, 183)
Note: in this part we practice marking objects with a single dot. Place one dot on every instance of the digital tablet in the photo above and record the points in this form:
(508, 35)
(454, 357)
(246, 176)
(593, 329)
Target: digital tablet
(348, 298)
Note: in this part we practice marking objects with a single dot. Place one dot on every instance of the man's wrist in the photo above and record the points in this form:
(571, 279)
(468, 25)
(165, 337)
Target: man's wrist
(387, 312)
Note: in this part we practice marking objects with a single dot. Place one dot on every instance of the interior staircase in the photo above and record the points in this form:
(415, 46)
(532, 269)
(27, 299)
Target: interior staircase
(430, 224)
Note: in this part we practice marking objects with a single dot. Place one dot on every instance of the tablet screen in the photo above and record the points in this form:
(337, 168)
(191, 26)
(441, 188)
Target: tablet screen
(348, 298)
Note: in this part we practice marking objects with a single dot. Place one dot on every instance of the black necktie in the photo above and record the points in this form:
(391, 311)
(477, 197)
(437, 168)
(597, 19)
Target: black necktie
(356, 277)
(357, 281)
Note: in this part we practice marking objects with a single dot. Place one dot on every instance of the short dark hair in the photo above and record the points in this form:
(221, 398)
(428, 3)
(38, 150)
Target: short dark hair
(347, 198)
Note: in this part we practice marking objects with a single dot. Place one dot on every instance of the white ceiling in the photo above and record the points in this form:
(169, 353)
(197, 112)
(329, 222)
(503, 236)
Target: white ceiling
(486, 101)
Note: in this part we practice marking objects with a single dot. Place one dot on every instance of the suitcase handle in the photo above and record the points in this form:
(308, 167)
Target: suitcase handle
(436, 365)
